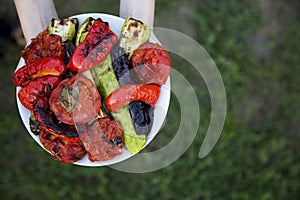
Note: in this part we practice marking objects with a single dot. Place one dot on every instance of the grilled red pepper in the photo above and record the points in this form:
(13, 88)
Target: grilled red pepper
(43, 67)
(95, 48)
(62, 140)
(37, 92)
(148, 93)
(45, 118)
(75, 100)
(63, 148)
(151, 63)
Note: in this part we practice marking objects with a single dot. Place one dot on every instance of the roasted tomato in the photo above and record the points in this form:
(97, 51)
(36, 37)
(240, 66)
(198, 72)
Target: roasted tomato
(75, 100)
(37, 92)
(104, 140)
(61, 147)
(151, 63)
(39, 68)
(95, 48)
(148, 93)
(42, 46)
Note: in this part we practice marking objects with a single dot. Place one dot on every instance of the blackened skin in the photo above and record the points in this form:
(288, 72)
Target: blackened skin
(141, 113)
(47, 119)
(142, 116)
(35, 126)
(69, 50)
(121, 65)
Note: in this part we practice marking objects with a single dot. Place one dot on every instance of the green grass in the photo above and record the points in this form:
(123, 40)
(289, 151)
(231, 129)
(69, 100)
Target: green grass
(257, 155)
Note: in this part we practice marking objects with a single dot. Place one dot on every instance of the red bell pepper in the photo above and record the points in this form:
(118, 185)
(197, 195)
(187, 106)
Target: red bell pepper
(37, 92)
(148, 93)
(95, 48)
(62, 148)
(43, 67)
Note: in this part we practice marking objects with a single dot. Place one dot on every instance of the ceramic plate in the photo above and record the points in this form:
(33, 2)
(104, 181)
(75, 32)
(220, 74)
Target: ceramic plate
(160, 111)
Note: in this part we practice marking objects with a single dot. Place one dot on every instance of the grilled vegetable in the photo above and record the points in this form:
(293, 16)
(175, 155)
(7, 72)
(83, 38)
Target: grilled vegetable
(142, 115)
(107, 82)
(104, 139)
(133, 34)
(151, 64)
(39, 68)
(105, 78)
(36, 92)
(35, 126)
(121, 65)
(94, 48)
(42, 46)
(42, 118)
(62, 148)
(66, 28)
(69, 50)
(75, 100)
(84, 29)
(121, 97)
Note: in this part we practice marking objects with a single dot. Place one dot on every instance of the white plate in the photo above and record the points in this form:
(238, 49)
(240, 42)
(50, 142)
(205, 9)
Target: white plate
(160, 111)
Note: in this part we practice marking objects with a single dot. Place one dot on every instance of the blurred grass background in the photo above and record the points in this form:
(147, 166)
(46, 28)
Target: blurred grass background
(255, 45)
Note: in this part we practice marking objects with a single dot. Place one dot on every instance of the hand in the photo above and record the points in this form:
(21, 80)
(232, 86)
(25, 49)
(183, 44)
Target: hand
(34, 16)
(139, 9)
